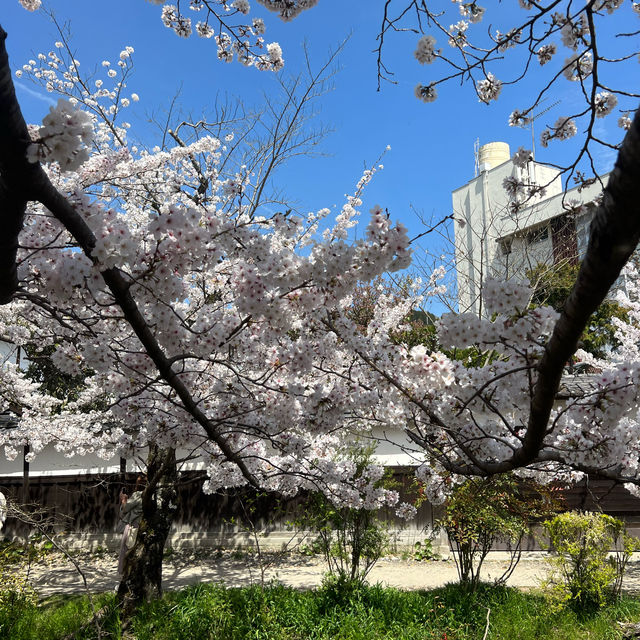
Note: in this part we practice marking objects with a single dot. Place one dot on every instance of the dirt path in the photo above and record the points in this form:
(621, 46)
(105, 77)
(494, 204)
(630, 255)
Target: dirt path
(58, 575)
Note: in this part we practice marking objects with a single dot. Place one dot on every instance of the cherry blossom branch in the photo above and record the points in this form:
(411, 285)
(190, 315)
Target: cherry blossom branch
(615, 232)
(29, 182)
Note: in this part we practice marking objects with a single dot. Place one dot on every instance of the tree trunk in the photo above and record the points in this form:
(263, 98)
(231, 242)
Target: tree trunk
(142, 575)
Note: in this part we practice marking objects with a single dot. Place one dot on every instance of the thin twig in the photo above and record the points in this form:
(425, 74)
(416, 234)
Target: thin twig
(486, 629)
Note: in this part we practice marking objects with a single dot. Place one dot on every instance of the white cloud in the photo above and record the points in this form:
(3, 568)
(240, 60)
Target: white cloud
(34, 93)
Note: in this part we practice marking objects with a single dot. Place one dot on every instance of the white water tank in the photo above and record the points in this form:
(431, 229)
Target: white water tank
(493, 154)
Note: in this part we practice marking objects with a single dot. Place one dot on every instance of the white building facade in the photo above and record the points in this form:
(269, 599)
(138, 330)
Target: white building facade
(495, 239)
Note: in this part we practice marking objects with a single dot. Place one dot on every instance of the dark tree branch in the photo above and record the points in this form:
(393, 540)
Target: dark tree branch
(614, 235)
(615, 232)
(25, 182)
(15, 175)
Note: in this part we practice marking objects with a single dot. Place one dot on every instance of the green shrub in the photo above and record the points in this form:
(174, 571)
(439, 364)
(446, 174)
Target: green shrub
(482, 512)
(17, 597)
(351, 539)
(587, 575)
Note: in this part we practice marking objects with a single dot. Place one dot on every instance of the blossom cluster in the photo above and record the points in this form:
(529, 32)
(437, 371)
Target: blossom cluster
(522, 157)
(426, 93)
(288, 9)
(31, 5)
(63, 137)
(578, 67)
(457, 34)
(563, 129)
(604, 103)
(426, 52)
(489, 88)
(546, 52)
(574, 33)
(242, 42)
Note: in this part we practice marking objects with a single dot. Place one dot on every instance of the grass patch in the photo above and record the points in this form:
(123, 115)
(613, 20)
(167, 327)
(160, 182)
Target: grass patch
(332, 612)
(52, 618)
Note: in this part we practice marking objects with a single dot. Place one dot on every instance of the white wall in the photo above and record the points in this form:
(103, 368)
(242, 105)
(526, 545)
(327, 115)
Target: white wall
(483, 205)
(52, 463)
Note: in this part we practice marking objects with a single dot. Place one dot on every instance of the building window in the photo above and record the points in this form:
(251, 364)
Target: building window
(505, 246)
(537, 235)
(564, 239)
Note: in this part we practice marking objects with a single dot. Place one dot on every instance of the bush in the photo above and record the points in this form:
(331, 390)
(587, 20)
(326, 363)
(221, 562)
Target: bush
(351, 539)
(16, 598)
(482, 512)
(587, 576)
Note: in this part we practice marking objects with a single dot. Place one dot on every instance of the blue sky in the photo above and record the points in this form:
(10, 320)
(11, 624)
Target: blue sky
(431, 144)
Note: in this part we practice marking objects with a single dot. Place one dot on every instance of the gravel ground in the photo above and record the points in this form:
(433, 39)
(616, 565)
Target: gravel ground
(56, 574)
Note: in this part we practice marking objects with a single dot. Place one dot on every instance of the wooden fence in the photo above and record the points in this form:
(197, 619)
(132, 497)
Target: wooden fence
(89, 504)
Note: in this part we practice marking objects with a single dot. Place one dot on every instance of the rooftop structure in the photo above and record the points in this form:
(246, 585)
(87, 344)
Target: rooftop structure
(503, 235)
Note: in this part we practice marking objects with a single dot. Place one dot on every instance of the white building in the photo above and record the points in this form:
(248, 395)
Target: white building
(493, 240)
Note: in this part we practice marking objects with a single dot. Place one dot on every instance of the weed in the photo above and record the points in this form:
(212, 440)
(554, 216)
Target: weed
(424, 550)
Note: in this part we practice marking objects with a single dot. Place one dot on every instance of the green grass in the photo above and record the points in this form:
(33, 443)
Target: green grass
(51, 619)
(332, 612)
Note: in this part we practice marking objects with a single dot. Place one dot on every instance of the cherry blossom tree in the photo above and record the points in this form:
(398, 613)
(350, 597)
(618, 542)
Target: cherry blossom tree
(157, 271)
(186, 302)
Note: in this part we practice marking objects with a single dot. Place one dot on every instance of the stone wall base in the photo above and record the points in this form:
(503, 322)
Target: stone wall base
(402, 540)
